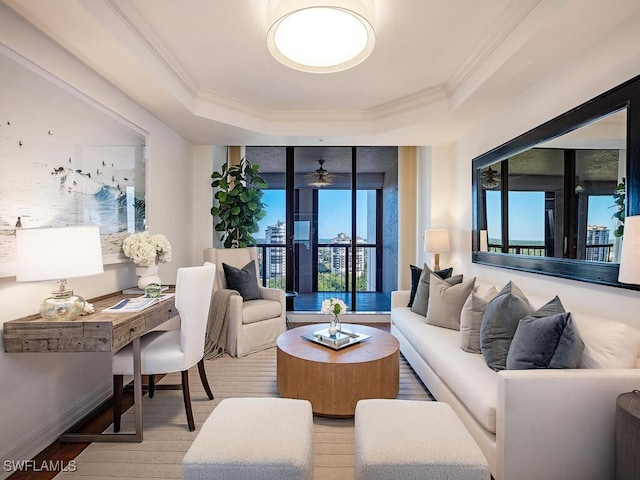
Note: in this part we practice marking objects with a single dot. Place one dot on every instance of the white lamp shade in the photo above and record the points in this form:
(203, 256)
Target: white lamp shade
(436, 241)
(484, 241)
(57, 253)
(630, 254)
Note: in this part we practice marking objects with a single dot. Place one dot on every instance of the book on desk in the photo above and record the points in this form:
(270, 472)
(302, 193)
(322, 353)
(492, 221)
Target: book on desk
(135, 304)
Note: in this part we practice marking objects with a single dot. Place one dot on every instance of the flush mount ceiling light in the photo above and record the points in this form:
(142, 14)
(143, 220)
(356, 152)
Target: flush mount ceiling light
(320, 36)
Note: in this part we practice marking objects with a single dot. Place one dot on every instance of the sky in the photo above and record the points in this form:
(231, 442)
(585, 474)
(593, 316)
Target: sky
(526, 214)
(334, 215)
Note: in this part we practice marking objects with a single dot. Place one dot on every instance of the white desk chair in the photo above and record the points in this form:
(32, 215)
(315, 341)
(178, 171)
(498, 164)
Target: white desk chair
(174, 350)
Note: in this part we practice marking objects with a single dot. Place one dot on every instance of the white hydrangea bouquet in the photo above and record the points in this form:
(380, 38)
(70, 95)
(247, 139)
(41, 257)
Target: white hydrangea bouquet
(146, 250)
(334, 307)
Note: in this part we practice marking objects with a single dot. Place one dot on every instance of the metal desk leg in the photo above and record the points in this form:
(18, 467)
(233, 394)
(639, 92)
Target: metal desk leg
(137, 409)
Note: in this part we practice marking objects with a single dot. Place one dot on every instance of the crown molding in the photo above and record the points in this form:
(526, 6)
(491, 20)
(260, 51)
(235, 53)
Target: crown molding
(141, 30)
(409, 102)
(156, 57)
(200, 95)
(504, 25)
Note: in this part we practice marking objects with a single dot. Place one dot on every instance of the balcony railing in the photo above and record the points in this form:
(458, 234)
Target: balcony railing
(594, 253)
(333, 267)
(272, 271)
(600, 253)
(535, 250)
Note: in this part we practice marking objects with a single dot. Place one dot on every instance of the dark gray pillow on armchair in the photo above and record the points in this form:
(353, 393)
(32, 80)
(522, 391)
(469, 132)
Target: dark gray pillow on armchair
(243, 280)
(545, 342)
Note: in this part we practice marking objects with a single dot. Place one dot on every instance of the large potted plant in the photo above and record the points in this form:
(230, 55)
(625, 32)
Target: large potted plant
(619, 199)
(240, 206)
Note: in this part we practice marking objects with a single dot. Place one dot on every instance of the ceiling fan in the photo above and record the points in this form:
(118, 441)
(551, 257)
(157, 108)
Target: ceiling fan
(320, 177)
(490, 178)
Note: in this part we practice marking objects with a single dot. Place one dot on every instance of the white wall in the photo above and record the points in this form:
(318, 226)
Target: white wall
(434, 192)
(206, 159)
(608, 64)
(43, 394)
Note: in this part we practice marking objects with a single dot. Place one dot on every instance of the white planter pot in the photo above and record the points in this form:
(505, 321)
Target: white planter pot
(147, 276)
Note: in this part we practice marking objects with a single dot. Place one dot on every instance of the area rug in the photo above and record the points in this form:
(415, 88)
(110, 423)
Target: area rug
(167, 438)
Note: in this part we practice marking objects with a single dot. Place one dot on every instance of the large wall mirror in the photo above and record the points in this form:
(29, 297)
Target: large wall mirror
(550, 200)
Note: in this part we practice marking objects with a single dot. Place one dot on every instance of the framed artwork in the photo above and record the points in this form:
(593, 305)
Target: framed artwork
(65, 160)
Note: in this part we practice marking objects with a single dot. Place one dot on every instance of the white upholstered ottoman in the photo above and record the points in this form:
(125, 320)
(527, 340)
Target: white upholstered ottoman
(404, 439)
(253, 438)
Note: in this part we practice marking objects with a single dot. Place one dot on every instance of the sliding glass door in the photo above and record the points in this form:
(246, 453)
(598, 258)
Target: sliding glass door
(326, 227)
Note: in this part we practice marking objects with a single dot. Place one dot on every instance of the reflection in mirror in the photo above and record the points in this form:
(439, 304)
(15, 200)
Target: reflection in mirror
(557, 198)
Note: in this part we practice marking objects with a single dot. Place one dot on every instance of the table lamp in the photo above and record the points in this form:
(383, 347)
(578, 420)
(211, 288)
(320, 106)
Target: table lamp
(58, 253)
(436, 242)
(630, 253)
(484, 241)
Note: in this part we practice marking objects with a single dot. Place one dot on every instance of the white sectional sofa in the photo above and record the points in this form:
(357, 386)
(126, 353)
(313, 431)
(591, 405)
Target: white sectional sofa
(530, 424)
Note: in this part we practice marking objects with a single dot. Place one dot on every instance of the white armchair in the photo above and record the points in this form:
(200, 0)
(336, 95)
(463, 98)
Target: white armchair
(253, 325)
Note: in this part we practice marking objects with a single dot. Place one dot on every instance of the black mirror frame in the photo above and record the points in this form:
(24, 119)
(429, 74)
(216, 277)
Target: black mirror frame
(626, 95)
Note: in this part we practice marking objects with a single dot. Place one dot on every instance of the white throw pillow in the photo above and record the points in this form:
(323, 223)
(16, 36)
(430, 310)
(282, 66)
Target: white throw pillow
(607, 343)
(471, 319)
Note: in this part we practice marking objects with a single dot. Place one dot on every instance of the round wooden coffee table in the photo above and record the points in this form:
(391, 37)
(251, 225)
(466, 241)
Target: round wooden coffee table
(334, 380)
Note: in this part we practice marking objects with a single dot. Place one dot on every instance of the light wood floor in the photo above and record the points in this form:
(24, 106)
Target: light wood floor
(334, 441)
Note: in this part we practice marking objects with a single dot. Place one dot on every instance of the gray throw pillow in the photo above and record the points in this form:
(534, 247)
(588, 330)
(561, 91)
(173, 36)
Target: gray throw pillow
(421, 300)
(471, 319)
(547, 342)
(499, 324)
(415, 279)
(243, 280)
(446, 301)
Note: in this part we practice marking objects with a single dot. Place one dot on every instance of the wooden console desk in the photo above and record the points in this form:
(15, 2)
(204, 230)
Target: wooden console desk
(97, 332)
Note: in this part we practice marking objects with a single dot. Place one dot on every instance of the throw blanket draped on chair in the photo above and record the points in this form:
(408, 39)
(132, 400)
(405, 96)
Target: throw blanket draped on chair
(216, 337)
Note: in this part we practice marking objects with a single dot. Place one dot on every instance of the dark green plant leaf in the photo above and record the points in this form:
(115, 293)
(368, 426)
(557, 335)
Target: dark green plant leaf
(239, 207)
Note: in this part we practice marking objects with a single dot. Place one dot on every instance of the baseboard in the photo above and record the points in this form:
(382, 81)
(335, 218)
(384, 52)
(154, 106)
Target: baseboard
(306, 317)
(32, 443)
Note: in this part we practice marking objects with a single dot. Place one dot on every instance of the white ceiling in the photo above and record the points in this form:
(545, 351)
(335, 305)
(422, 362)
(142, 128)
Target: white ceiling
(439, 66)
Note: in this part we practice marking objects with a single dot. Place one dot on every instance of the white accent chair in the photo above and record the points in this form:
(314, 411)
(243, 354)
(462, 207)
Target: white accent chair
(173, 350)
(253, 325)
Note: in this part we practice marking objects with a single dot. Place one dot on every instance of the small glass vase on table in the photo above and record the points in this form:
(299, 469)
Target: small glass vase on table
(334, 307)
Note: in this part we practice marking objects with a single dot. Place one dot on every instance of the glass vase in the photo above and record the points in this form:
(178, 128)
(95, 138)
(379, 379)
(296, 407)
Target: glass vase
(333, 327)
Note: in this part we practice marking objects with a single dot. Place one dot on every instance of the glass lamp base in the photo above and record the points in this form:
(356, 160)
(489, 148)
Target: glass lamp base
(63, 306)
